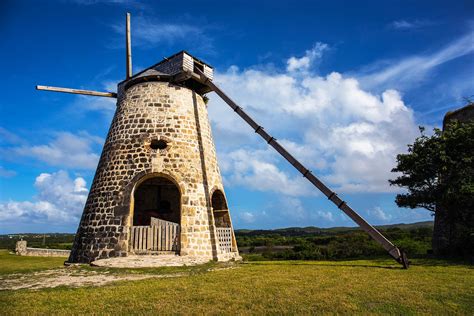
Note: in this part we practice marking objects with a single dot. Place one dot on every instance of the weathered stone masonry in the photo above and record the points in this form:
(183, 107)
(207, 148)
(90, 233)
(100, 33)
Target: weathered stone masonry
(147, 112)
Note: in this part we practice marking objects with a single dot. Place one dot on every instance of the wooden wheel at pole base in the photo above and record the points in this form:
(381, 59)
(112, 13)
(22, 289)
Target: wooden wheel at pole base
(404, 260)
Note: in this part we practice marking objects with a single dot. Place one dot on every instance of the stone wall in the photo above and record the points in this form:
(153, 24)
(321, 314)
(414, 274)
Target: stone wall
(146, 112)
(22, 249)
(443, 229)
(464, 114)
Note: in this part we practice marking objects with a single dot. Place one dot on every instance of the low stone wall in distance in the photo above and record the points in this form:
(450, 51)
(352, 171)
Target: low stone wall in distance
(21, 249)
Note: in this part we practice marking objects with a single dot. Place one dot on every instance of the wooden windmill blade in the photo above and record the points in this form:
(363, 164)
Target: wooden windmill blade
(78, 91)
(396, 253)
(128, 74)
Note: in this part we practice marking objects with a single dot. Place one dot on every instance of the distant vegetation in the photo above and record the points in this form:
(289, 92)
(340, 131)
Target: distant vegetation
(312, 243)
(50, 240)
(308, 243)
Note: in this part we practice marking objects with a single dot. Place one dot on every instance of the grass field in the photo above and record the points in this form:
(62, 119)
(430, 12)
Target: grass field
(290, 287)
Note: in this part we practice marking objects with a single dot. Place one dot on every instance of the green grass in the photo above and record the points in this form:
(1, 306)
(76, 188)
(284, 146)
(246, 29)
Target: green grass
(16, 264)
(271, 287)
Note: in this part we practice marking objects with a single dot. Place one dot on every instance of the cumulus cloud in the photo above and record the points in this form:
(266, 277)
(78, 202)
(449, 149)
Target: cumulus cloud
(304, 63)
(65, 150)
(250, 168)
(60, 200)
(351, 136)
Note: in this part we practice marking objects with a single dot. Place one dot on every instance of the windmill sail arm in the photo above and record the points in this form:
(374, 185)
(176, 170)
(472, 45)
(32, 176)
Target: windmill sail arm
(78, 91)
(398, 255)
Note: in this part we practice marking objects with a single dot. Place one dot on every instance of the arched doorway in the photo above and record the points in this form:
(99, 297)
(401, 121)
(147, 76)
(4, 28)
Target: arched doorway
(222, 221)
(220, 209)
(156, 217)
(159, 198)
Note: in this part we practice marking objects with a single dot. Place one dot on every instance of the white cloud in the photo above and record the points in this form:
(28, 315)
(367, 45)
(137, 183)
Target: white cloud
(7, 137)
(407, 71)
(409, 25)
(5, 173)
(254, 169)
(151, 32)
(286, 211)
(291, 208)
(59, 200)
(110, 85)
(379, 214)
(82, 104)
(87, 103)
(304, 63)
(327, 216)
(66, 150)
(247, 217)
(350, 135)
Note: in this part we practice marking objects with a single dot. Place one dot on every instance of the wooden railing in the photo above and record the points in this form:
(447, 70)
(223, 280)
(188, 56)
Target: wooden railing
(156, 238)
(224, 236)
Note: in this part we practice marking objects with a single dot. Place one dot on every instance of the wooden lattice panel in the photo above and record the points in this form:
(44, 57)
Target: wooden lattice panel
(224, 235)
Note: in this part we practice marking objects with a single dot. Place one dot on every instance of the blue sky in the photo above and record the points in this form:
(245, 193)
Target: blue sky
(343, 85)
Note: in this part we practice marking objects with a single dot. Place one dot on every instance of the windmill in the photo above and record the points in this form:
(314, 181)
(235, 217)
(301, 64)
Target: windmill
(157, 187)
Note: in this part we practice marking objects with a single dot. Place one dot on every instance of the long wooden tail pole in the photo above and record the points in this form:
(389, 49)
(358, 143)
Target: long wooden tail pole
(398, 255)
(78, 91)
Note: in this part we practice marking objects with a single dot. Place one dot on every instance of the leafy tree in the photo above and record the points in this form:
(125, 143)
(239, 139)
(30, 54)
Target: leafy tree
(438, 173)
(438, 169)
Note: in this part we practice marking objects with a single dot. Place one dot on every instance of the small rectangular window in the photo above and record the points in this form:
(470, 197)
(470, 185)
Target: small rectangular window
(198, 66)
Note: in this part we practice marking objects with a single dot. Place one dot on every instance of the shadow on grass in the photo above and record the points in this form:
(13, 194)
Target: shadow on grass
(369, 263)
(354, 264)
(442, 263)
(189, 270)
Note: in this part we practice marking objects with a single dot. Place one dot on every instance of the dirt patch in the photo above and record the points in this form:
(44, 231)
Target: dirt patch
(72, 277)
(82, 275)
(150, 261)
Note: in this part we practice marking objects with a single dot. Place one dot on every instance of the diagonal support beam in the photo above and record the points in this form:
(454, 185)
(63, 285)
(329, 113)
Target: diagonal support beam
(78, 91)
(396, 253)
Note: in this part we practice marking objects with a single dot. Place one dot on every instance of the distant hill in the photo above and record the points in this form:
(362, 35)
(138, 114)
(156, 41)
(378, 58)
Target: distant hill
(312, 230)
(286, 231)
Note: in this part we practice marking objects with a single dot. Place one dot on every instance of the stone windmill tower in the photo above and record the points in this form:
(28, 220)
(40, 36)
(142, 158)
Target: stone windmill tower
(157, 187)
